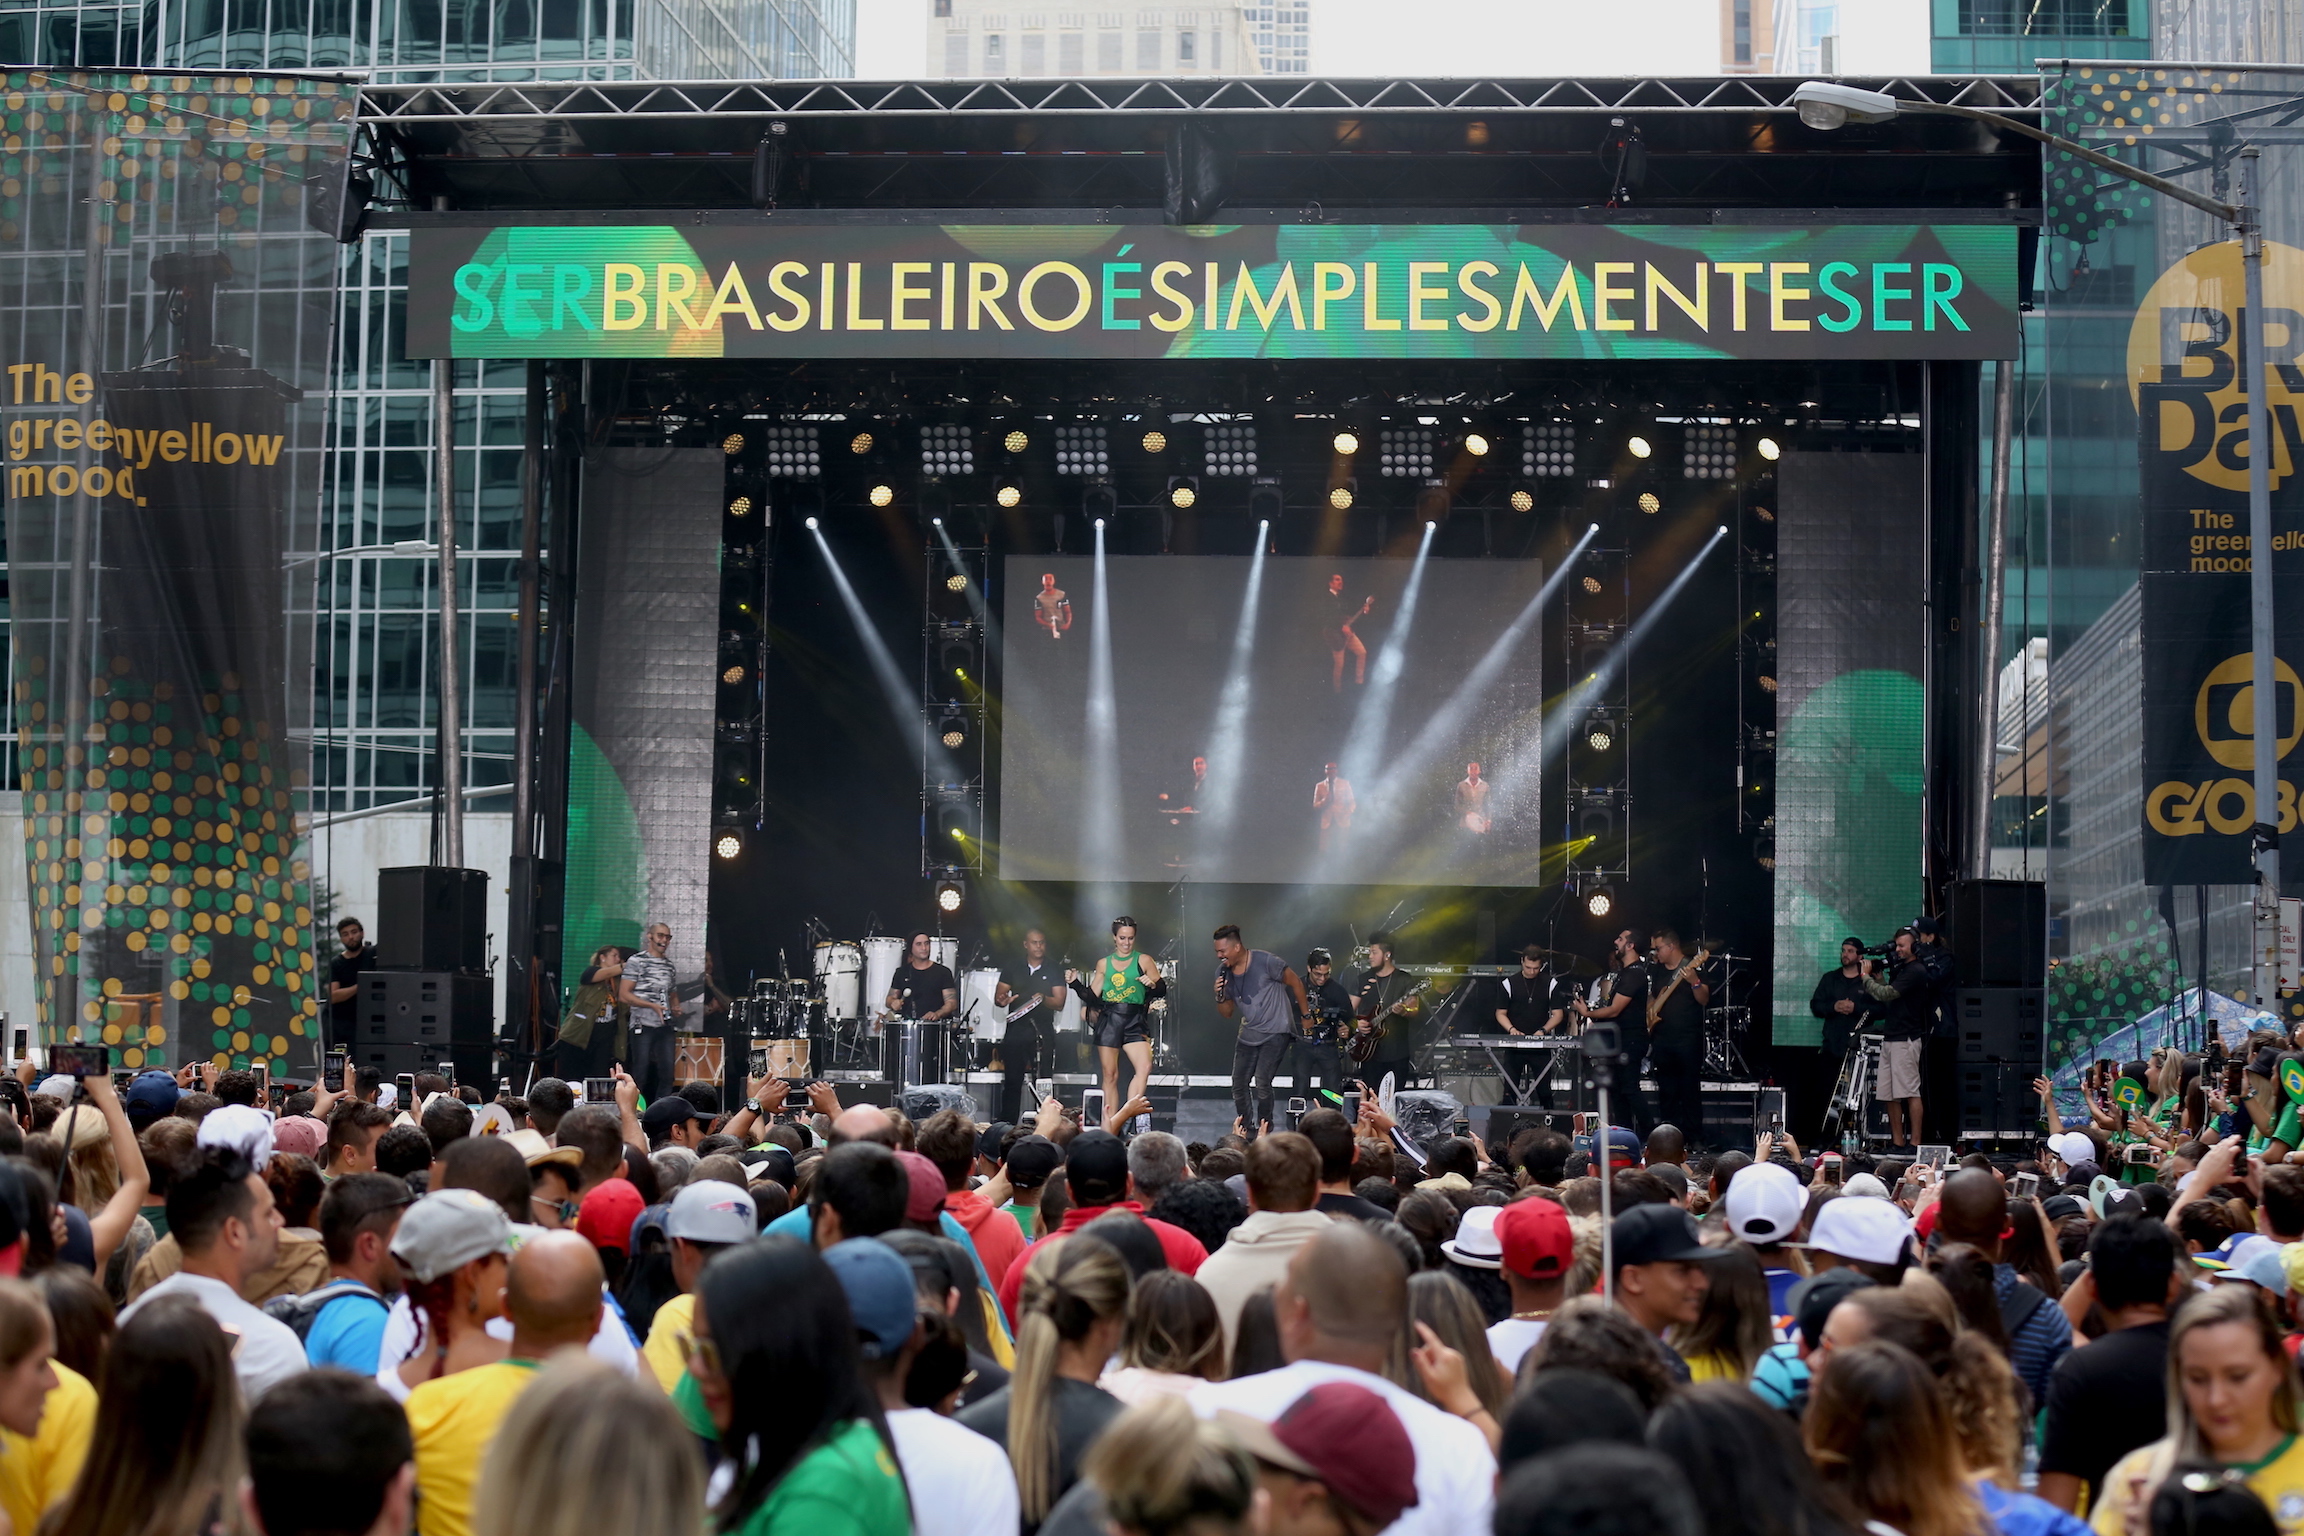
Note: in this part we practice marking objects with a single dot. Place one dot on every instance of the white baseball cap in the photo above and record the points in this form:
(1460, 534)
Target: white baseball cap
(1866, 1186)
(1868, 1231)
(1765, 1203)
(2072, 1147)
(712, 1211)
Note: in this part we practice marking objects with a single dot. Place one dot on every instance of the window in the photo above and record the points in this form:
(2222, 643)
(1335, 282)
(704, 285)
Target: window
(995, 54)
(1108, 53)
(1185, 52)
(1071, 54)
(1743, 31)
(1147, 47)
(943, 7)
(1035, 53)
(955, 54)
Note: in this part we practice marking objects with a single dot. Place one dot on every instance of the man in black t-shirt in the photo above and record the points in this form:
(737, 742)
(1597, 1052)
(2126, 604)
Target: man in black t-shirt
(1028, 1038)
(923, 989)
(1627, 1008)
(1389, 1000)
(1841, 1001)
(1676, 1038)
(1328, 1013)
(2106, 1400)
(344, 980)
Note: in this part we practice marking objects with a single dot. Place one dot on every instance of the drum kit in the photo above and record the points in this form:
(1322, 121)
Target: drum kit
(831, 1024)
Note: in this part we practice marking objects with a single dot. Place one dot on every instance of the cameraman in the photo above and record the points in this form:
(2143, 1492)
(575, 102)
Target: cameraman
(1910, 994)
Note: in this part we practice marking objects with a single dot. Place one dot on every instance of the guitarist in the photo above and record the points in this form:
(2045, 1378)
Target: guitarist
(1383, 1001)
(1674, 999)
(1623, 1003)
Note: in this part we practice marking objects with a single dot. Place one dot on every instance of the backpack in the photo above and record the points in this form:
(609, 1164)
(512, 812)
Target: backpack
(300, 1312)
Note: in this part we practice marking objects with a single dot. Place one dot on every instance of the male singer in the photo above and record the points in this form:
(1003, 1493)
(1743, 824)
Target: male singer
(1268, 996)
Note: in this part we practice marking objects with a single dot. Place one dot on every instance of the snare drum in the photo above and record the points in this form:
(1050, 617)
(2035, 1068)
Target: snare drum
(882, 954)
(840, 967)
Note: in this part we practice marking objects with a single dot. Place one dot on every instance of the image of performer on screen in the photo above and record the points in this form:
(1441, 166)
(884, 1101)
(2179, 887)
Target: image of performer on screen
(1029, 992)
(1319, 1059)
(1472, 800)
(1051, 609)
(1387, 1002)
(1120, 989)
(1338, 617)
(1266, 996)
(1332, 798)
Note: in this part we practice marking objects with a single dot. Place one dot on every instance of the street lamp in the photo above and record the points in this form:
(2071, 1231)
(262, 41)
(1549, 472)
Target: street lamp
(1825, 105)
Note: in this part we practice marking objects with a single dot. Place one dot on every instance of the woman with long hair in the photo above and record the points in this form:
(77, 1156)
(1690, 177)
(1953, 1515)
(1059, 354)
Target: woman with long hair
(83, 1317)
(2233, 1401)
(37, 1392)
(585, 1450)
(1736, 1326)
(1748, 1462)
(1881, 1439)
(2032, 1248)
(773, 1370)
(1172, 1342)
(1069, 1317)
(1966, 1275)
(104, 1175)
(1979, 1388)
(1161, 1471)
(1443, 1304)
(165, 1457)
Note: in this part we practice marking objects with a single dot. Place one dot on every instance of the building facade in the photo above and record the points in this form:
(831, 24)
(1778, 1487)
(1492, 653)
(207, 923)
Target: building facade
(994, 40)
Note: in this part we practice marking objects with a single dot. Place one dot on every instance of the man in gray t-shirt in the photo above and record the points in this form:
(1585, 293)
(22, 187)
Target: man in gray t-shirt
(647, 993)
(1258, 988)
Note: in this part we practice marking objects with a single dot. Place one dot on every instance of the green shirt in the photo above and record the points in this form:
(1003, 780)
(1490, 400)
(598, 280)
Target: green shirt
(1024, 1214)
(848, 1486)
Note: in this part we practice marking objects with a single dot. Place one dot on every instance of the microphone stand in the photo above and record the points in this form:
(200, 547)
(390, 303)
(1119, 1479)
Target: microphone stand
(1601, 1053)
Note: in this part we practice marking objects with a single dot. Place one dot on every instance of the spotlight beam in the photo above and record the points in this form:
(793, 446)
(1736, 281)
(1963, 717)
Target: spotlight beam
(1374, 715)
(1568, 717)
(902, 698)
(1100, 816)
(1228, 734)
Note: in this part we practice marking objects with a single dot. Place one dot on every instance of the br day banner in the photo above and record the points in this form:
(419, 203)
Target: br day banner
(792, 290)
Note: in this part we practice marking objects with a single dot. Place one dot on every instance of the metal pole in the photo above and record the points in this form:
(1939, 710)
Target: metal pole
(2265, 833)
(1988, 636)
(1602, 1073)
(449, 851)
(531, 556)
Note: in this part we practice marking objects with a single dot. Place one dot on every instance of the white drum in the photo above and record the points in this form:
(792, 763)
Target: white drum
(977, 990)
(840, 967)
(1068, 1016)
(946, 953)
(882, 954)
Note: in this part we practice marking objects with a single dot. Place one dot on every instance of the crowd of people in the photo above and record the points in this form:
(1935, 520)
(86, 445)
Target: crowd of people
(352, 1313)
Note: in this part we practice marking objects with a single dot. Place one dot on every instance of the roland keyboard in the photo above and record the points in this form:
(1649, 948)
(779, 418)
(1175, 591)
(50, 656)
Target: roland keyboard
(1517, 1042)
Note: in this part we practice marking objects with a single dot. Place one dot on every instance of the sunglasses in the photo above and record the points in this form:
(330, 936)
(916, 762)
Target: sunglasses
(703, 1356)
(568, 1209)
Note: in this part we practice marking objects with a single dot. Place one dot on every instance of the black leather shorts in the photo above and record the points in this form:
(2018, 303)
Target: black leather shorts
(1119, 1023)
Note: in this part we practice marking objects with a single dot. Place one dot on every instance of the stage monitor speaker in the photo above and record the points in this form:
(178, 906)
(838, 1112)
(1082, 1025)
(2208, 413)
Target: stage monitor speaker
(877, 1092)
(409, 1021)
(1999, 933)
(1993, 1100)
(1506, 1121)
(2001, 1024)
(432, 919)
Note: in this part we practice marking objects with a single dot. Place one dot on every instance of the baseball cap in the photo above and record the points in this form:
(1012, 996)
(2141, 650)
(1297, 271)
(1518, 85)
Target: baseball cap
(2233, 1252)
(1813, 1299)
(1868, 1231)
(659, 1118)
(927, 1197)
(1866, 1186)
(1097, 1159)
(1031, 1160)
(1927, 927)
(605, 1218)
(536, 1151)
(712, 1211)
(151, 1096)
(2072, 1147)
(988, 1142)
(1657, 1234)
(301, 1134)
(880, 1294)
(244, 1128)
(1475, 1243)
(447, 1230)
(1765, 1203)
(1622, 1139)
(1344, 1436)
(1535, 1238)
(2057, 1207)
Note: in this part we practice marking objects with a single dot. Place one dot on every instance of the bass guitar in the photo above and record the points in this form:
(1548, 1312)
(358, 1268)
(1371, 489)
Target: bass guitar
(1679, 978)
(1368, 1033)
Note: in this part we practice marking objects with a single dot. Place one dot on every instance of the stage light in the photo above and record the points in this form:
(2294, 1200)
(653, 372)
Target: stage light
(1099, 525)
(1600, 903)
(1599, 740)
(935, 522)
(1767, 685)
(1476, 445)
(1008, 495)
(734, 674)
(1764, 514)
(1592, 585)
(740, 507)
(947, 450)
(728, 844)
(860, 443)
(1341, 498)
(1769, 450)
(949, 895)
(1155, 442)
(792, 452)
(811, 524)
(1015, 442)
(1639, 447)
(1347, 442)
(1264, 524)
(955, 738)
(881, 495)
(1523, 502)
(1649, 503)
(1404, 453)
(1429, 525)
(955, 582)
(1181, 494)
(732, 444)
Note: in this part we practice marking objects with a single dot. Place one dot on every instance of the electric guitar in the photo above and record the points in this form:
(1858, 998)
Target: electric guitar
(1368, 1033)
(1656, 1002)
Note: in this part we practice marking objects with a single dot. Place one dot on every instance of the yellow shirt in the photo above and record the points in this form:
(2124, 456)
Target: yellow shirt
(667, 1348)
(1719, 1367)
(454, 1421)
(35, 1474)
(2124, 1507)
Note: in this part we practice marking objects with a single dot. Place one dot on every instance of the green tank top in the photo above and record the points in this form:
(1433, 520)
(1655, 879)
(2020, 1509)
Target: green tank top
(1123, 979)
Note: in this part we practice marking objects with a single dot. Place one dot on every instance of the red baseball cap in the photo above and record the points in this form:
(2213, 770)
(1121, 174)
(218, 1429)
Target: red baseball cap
(927, 1197)
(605, 1218)
(1538, 1242)
(1342, 1435)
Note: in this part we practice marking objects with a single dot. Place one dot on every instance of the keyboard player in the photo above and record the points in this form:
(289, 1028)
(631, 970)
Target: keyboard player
(1536, 1003)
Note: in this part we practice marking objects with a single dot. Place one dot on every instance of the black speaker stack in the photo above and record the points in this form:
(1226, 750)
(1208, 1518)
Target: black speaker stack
(430, 999)
(1997, 1011)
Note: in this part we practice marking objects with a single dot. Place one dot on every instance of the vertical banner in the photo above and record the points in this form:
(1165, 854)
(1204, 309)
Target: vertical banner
(165, 322)
(2199, 697)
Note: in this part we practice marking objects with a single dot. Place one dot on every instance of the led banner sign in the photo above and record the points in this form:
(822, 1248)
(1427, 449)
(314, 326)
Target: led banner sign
(787, 290)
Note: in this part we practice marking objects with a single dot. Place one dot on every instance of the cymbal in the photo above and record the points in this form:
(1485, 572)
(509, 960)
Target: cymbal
(1569, 963)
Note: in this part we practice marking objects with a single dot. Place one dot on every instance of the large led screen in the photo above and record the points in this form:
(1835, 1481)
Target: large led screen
(1287, 720)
